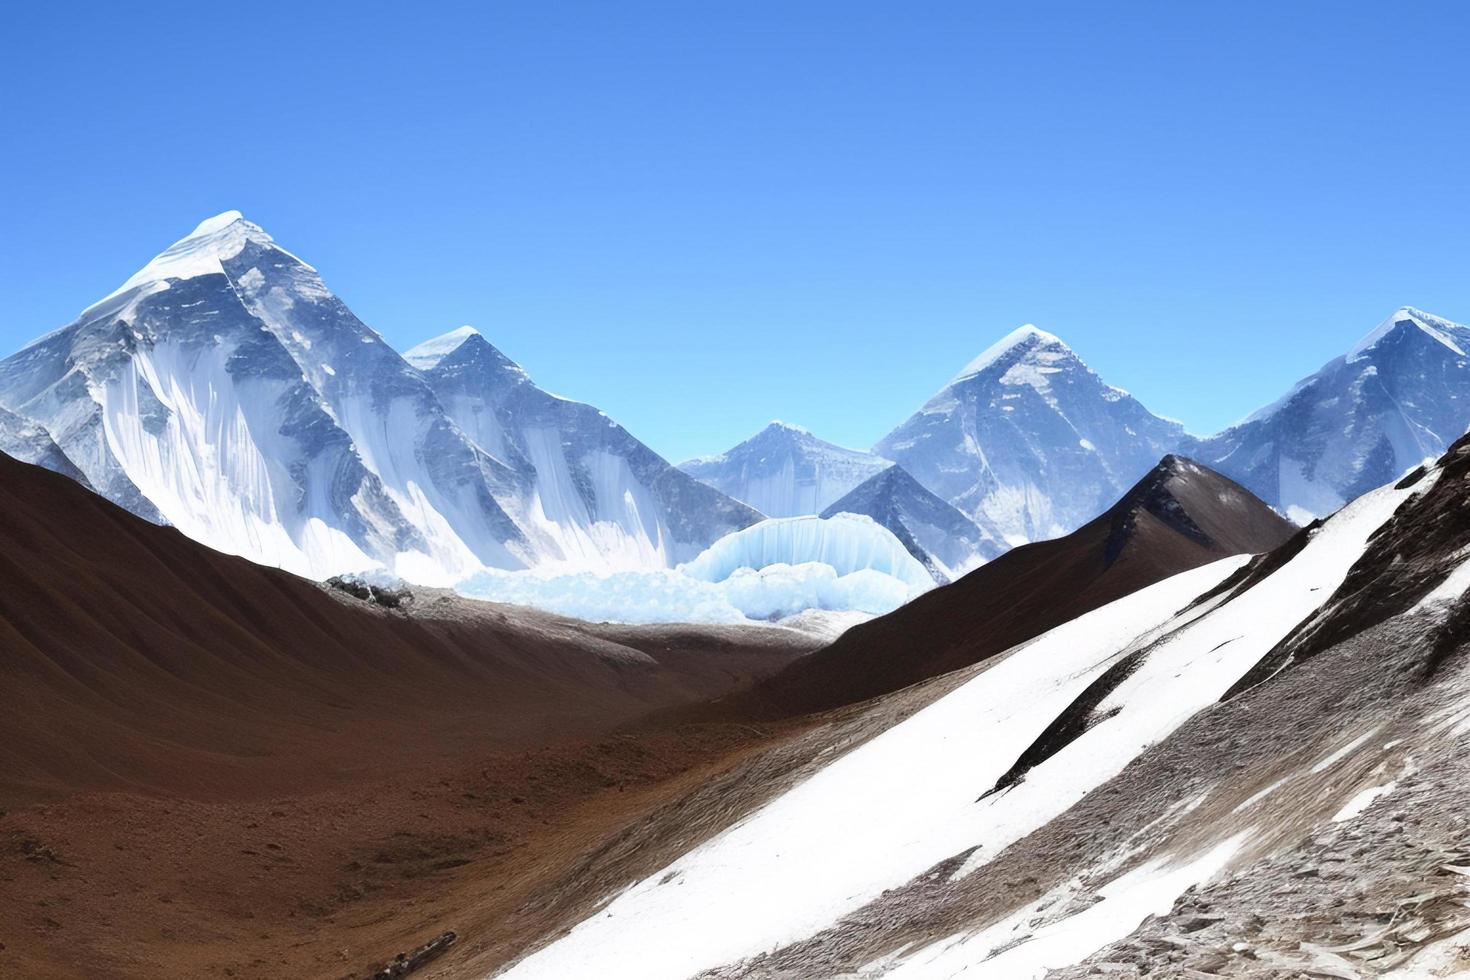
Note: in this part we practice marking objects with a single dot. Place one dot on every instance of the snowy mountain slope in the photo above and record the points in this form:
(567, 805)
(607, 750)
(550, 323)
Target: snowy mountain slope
(947, 542)
(852, 871)
(225, 390)
(785, 471)
(181, 405)
(1400, 395)
(29, 442)
(1028, 441)
(593, 493)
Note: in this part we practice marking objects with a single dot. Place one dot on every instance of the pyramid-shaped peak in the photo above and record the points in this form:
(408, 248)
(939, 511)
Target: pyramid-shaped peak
(1451, 335)
(464, 349)
(1025, 338)
(428, 354)
(198, 253)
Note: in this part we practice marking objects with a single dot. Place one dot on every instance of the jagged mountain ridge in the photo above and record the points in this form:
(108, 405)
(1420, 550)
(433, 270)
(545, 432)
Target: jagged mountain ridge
(29, 442)
(224, 389)
(1028, 442)
(1397, 397)
(597, 492)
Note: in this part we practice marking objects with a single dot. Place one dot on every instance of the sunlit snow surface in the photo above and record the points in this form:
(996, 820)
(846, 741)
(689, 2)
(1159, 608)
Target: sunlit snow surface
(912, 797)
(769, 571)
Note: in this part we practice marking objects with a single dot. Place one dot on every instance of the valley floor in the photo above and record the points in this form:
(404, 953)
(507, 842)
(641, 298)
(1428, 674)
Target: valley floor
(331, 883)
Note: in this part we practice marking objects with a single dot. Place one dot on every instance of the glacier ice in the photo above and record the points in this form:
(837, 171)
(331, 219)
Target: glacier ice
(667, 595)
(770, 571)
(847, 542)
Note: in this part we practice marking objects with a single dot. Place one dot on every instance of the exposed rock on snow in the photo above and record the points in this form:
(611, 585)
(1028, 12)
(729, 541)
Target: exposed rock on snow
(1179, 516)
(857, 869)
(785, 471)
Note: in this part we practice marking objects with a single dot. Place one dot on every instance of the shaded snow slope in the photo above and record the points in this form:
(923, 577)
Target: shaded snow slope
(29, 442)
(945, 540)
(225, 390)
(940, 795)
(1028, 441)
(785, 471)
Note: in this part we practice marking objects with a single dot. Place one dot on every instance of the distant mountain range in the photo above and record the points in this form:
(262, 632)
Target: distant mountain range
(785, 471)
(225, 390)
(1028, 443)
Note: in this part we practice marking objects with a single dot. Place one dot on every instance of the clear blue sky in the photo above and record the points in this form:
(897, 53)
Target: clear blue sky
(700, 216)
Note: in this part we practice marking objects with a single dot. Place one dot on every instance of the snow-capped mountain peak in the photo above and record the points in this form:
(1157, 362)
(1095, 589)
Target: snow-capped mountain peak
(1027, 441)
(1409, 318)
(428, 354)
(785, 471)
(199, 253)
(1399, 395)
(1024, 339)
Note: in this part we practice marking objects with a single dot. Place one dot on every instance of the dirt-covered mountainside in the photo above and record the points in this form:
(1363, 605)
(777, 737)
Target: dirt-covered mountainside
(210, 768)
(1179, 516)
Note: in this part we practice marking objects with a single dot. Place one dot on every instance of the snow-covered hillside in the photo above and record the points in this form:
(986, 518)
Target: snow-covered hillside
(225, 390)
(785, 471)
(1028, 441)
(810, 883)
(1397, 397)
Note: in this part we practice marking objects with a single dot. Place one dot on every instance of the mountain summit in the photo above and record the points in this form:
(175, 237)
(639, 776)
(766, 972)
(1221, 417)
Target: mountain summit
(1028, 441)
(785, 471)
(1398, 396)
(946, 541)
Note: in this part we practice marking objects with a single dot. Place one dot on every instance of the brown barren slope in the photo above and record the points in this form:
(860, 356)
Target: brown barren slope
(210, 768)
(1180, 516)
